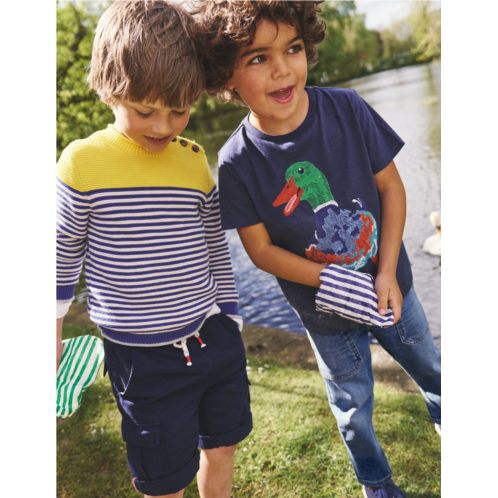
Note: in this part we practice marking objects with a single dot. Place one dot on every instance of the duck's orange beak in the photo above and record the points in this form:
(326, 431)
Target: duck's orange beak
(290, 194)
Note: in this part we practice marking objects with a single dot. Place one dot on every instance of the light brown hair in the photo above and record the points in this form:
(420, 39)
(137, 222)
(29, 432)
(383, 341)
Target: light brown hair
(225, 26)
(145, 51)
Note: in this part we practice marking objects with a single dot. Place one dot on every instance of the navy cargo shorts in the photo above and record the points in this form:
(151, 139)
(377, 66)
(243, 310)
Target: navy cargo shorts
(170, 409)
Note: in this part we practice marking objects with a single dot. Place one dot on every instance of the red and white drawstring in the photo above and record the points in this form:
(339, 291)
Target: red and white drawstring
(183, 344)
(199, 339)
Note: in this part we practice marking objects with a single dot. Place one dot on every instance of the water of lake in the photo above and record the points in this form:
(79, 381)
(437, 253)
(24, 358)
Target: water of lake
(409, 99)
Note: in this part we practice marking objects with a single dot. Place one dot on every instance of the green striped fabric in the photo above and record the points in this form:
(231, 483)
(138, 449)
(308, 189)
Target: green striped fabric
(78, 369)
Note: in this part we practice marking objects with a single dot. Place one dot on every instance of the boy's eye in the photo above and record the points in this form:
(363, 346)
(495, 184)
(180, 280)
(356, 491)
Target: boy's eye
(143, 115)
(179, 113)
(257, 60)
(295, 49)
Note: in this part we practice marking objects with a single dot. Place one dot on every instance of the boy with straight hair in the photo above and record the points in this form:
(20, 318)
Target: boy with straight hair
(308, 179)
(138, 204)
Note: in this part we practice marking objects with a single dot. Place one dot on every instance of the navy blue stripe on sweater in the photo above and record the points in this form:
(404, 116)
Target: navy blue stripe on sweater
(156, 259)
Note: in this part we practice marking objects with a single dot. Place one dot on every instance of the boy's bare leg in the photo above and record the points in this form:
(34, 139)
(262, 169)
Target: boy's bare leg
(175, 495)
(214, 477)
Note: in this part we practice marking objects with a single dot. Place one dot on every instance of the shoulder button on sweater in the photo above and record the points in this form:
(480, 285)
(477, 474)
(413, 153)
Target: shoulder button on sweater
(195, 148)
(184, 142)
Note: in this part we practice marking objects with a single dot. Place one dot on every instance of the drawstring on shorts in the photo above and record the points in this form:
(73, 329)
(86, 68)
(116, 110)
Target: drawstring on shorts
(199, 339)
(183, 344)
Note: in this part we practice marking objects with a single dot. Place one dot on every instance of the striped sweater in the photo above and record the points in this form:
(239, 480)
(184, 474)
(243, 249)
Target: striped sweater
(148, 227)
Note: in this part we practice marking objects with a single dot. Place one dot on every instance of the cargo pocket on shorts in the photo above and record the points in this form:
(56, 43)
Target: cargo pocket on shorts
(146, 457)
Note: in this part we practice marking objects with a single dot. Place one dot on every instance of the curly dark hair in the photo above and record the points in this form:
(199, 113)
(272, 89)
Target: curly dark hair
(224, 26)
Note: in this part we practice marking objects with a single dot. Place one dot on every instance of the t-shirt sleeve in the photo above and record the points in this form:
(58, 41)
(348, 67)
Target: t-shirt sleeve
(382, 143)
(236, 207)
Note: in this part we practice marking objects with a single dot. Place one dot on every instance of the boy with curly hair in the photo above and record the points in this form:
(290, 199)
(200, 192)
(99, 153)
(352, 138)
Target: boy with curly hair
(138, 203)
(325, 157)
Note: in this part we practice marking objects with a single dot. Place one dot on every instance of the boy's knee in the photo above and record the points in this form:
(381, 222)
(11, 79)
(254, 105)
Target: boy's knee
(221, 452)
(174, 495)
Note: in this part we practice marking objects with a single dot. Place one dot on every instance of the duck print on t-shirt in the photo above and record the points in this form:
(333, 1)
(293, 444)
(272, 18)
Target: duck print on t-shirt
(342, 237)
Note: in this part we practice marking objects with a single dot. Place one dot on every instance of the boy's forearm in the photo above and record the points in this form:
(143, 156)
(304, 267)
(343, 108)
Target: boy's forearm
(60, 321)
(393, 214)
(277, 261)
(289, 266)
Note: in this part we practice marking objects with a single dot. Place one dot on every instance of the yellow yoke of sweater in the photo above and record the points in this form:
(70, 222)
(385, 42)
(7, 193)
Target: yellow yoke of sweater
(108, 160)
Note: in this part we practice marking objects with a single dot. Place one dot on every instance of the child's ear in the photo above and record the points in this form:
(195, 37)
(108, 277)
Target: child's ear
(229, 85)
(111, 104)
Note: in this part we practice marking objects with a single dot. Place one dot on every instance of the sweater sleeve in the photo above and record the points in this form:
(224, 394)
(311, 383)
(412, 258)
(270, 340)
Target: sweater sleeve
(220, 264)
(73, 211)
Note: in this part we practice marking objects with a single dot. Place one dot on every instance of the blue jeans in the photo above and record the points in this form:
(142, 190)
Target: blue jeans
(345, 362)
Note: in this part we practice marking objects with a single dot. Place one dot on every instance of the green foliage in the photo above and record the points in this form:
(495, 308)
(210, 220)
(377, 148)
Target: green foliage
(331, 55)
(79, 111)
(397, 40)
(350, 51)
(294, 450)
(426, 22)
(362, 46)
(416, 38)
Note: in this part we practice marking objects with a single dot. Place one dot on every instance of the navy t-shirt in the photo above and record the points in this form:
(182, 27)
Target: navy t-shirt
(314, 190)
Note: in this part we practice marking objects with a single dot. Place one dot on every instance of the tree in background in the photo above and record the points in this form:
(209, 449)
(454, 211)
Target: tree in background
(398, 45)
(79, 110)
(362, 48)
(397, 40)
(350, 50)
(331, 55)
(426, 22)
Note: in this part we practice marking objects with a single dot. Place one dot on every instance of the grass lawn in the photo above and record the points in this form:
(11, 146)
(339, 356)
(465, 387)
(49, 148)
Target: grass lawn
(295, 449)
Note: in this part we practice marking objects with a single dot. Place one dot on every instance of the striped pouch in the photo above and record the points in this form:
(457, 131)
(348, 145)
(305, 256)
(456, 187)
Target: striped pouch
(352, 295)
(78, 369)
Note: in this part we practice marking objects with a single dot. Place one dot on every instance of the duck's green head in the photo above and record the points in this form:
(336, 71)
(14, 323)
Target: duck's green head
(304, 182)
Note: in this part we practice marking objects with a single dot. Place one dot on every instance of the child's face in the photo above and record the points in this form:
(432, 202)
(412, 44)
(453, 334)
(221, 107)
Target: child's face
(270, 77)
(152, 126)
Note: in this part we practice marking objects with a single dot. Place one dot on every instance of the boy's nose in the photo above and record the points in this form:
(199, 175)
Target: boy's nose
(280, 68)
(162, 127)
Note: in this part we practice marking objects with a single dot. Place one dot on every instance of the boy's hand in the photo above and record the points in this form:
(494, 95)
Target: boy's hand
(387, 289)
(59, 341)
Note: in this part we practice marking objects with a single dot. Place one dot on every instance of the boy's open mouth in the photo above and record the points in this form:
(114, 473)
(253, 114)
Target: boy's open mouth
(283, 96)
(157, 141)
